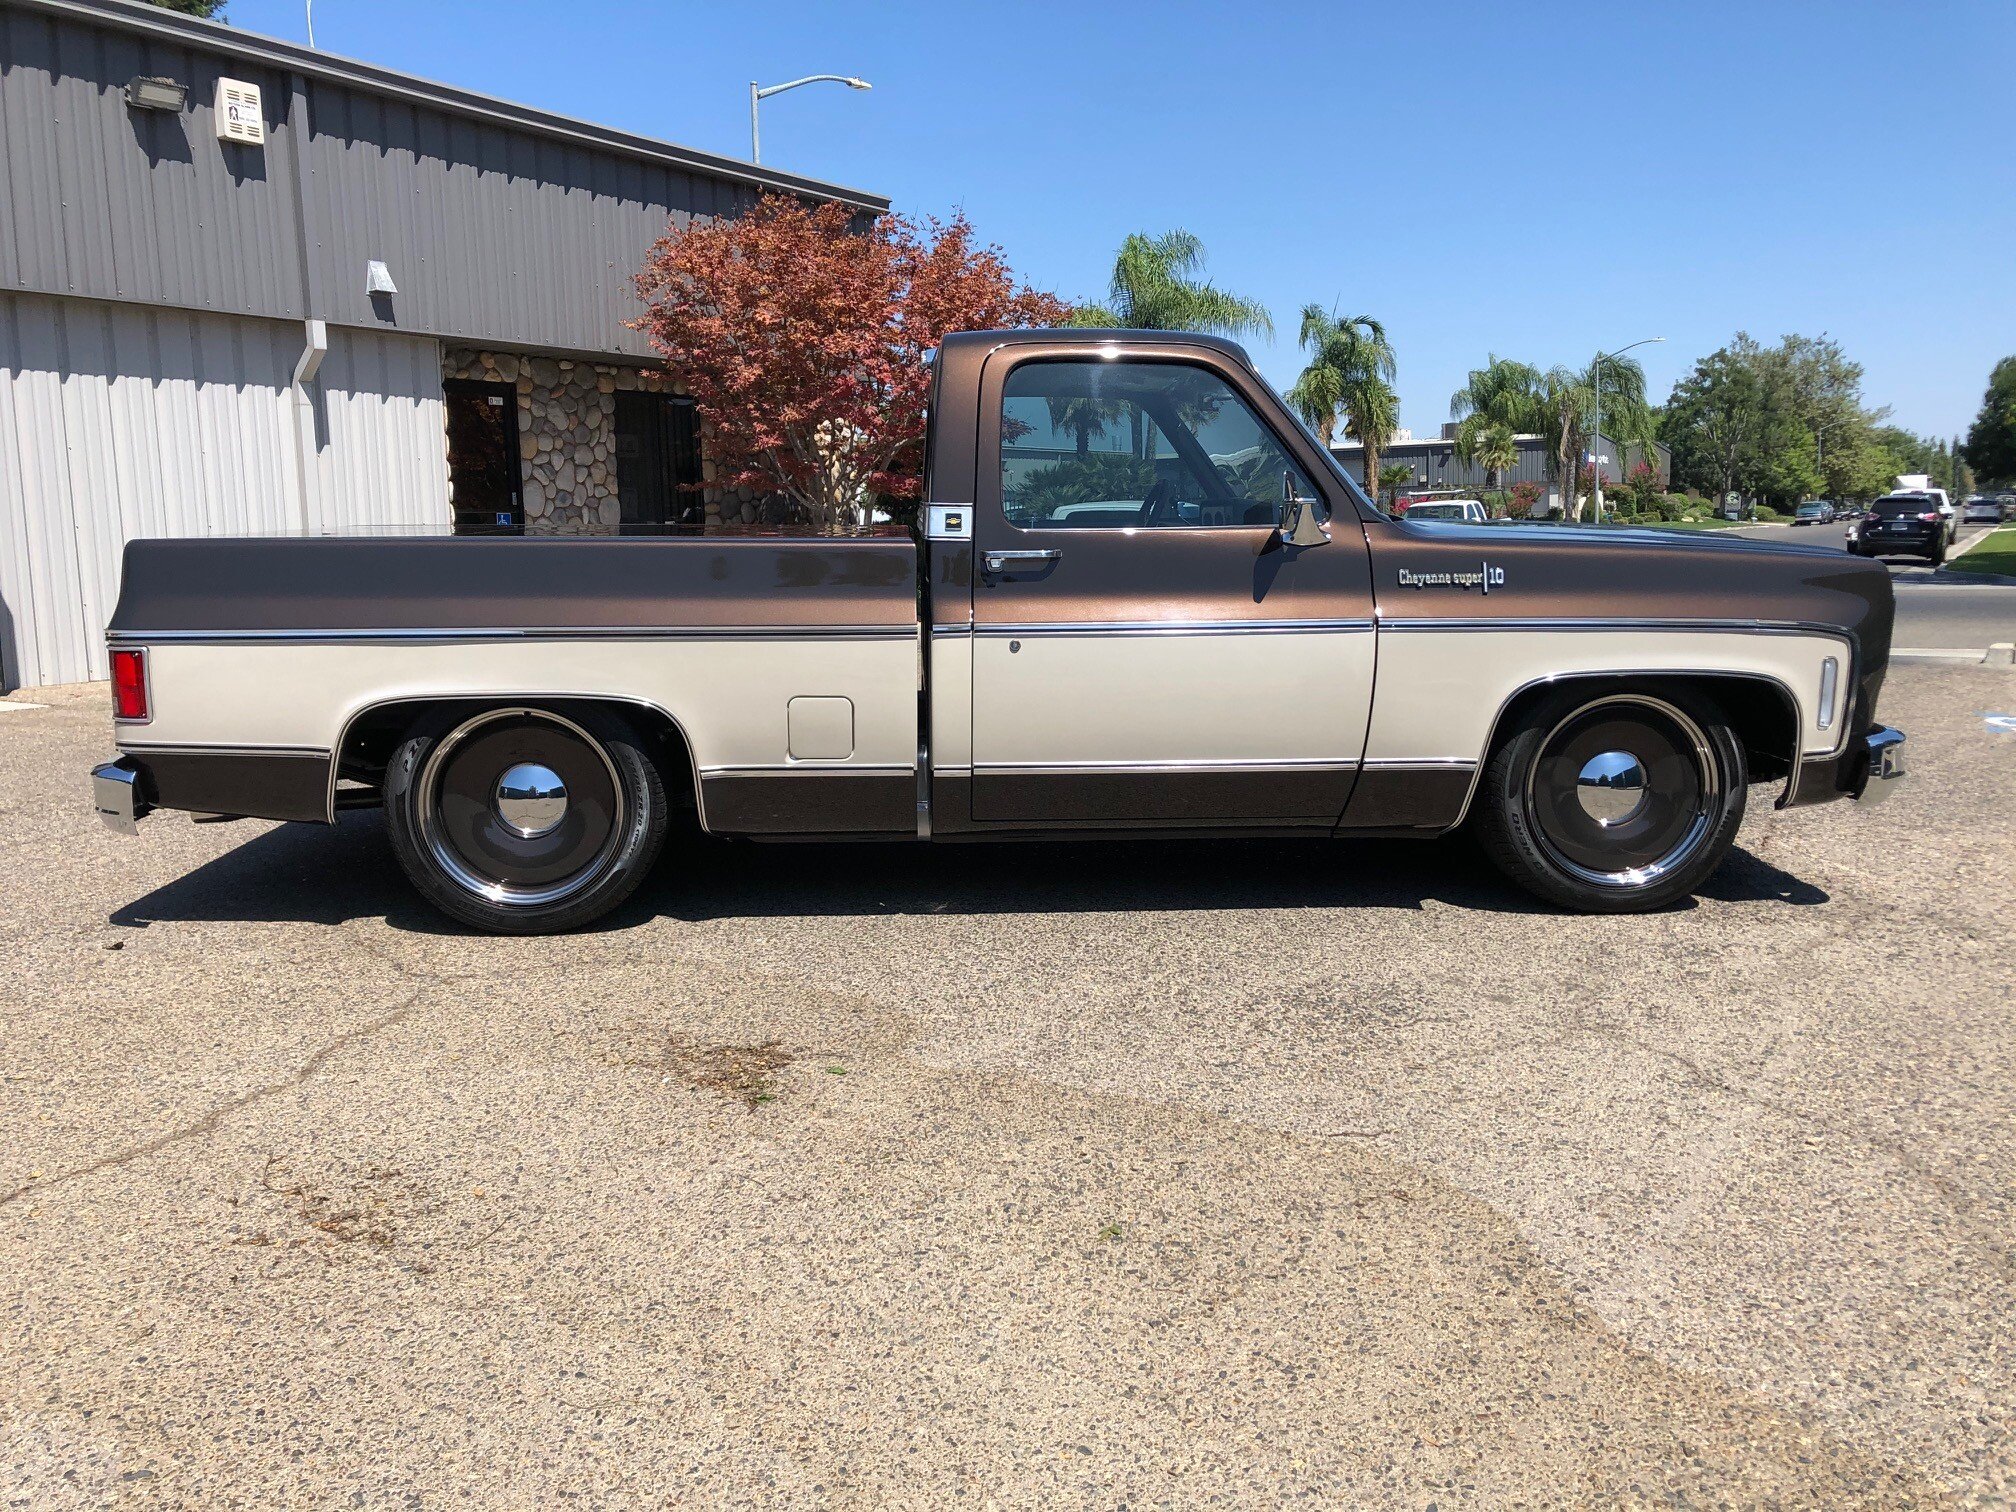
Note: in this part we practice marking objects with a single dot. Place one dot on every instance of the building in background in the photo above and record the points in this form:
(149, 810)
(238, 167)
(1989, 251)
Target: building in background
(1437, 467)
(247, 287)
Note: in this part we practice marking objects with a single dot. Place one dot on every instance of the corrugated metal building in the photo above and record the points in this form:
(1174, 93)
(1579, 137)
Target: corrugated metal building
(191, 344)
(1436, 465)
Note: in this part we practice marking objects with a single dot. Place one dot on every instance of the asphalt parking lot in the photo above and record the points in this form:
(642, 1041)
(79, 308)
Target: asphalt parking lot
(1037, 1176)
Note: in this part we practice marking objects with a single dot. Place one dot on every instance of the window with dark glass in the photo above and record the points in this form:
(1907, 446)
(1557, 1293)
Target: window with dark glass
(1157, 445)
(658, 461)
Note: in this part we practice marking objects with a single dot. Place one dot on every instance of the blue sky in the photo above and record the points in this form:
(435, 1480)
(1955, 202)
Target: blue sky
(1537, 180)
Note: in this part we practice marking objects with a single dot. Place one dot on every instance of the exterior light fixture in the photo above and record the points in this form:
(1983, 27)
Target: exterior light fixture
(146, 93)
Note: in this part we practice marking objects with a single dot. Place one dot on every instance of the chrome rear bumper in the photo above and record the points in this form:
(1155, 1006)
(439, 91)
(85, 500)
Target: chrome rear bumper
(1885, 767)
(115, 793)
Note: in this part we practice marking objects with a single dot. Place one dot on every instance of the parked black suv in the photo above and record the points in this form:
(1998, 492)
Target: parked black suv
(1902, 525)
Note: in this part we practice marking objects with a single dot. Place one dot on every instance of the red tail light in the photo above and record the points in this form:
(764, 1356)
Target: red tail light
(1928, 517)
(129, 685)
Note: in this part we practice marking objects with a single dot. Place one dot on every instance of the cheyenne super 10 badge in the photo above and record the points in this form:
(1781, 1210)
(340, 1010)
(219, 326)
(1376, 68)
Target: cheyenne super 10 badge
(1486, 577)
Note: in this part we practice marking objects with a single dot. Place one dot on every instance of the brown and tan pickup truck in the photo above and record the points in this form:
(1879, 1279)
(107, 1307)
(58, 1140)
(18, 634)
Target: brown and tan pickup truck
(1142, 599)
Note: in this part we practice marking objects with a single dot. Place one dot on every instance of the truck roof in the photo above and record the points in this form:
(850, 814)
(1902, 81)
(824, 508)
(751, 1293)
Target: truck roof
(987, 341)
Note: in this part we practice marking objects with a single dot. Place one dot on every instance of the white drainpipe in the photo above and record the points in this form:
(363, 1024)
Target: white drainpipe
(306, 366)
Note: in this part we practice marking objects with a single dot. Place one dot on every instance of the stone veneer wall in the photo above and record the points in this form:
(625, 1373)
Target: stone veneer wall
(567, 439)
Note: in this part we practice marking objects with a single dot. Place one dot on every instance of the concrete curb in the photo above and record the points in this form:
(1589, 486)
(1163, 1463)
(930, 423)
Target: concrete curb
(2001, 654)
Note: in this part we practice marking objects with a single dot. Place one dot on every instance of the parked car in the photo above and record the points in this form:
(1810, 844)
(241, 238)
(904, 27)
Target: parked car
(531, 713)
(1465, 511)
(1902, 525)
(1814, 512)
(1981, 510)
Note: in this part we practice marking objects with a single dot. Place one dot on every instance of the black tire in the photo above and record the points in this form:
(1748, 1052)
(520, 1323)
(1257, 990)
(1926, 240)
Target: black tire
(1572, 755)
(570, 858)
(1937, 555)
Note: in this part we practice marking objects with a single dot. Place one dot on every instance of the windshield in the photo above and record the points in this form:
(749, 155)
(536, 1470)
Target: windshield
(1812, 509)
(1897, 509)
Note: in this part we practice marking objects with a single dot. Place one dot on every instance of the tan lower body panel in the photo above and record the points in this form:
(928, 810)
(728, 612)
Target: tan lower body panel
(1441, 691)
(1103, 699)
(730, 697)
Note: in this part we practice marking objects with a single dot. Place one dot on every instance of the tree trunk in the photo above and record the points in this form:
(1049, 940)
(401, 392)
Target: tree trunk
(1571, 471)
(1372, 468)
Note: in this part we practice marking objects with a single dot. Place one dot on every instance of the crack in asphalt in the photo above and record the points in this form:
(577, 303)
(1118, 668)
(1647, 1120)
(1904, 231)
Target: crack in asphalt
(208, 1122)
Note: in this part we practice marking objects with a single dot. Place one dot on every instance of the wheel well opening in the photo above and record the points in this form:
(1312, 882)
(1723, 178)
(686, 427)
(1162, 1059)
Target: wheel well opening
(372, 736)
(1758, 710)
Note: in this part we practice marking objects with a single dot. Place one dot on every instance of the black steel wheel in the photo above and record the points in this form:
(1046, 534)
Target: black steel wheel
(524, 820)
(1613, 801)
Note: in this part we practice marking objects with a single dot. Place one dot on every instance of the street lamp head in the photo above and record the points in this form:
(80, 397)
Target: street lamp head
(853, 83)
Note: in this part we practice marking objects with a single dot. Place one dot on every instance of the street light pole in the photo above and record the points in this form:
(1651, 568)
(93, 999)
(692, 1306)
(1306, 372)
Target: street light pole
(1596, 430)
(763, 93)
(1820, 447)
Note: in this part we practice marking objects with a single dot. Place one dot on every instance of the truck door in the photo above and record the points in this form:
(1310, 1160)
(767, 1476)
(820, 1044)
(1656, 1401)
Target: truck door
(1146, 648)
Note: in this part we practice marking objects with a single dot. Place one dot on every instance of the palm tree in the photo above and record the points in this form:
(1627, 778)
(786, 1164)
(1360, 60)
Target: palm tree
(1157, 287)
(1393, 477)
(1500, 393)
(1568, 406)
(1492, 447)
(1558, 404)
(1371, 416)
(1082, 417)
(1351, 368)
(1341, 353)
(1499, 400)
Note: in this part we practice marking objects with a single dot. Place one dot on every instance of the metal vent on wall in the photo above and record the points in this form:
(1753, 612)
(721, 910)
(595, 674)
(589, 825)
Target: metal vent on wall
(239, 118)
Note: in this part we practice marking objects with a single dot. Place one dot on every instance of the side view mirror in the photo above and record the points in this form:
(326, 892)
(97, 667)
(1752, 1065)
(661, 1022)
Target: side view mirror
(1299, 525)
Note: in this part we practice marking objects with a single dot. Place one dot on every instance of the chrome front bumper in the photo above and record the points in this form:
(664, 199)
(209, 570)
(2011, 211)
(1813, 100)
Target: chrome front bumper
(115, 793)
(1885, 768)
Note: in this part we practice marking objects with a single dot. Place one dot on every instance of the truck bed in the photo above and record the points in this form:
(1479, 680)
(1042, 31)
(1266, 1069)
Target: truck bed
(783, 671)
(296, 586)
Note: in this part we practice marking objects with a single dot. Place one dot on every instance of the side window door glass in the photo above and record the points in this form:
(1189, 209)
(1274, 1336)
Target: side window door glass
(1135, 445)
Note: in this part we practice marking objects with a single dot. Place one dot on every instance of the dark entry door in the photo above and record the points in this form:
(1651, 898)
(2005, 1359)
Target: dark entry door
(658, 460)
(484, 477)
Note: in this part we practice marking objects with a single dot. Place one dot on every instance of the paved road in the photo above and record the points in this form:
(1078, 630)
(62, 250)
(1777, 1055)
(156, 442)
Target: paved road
(1931, 614)
(1232, 1173)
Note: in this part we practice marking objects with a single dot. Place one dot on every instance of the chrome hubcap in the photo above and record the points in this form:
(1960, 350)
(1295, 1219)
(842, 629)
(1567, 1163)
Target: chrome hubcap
(1624, 791)
(521, 807)
(531, 799)
(1611, 788)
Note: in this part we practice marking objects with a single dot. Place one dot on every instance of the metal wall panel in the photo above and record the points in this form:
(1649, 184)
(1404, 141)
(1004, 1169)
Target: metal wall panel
(119, 421)
(114, 203)
(499, 228)
(380, 427)
(492, 235)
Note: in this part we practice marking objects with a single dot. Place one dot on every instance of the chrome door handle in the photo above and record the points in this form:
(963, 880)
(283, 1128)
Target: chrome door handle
(1008, 561)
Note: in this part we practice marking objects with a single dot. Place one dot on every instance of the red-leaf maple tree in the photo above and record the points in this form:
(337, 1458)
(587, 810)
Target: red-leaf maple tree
(801, 337)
